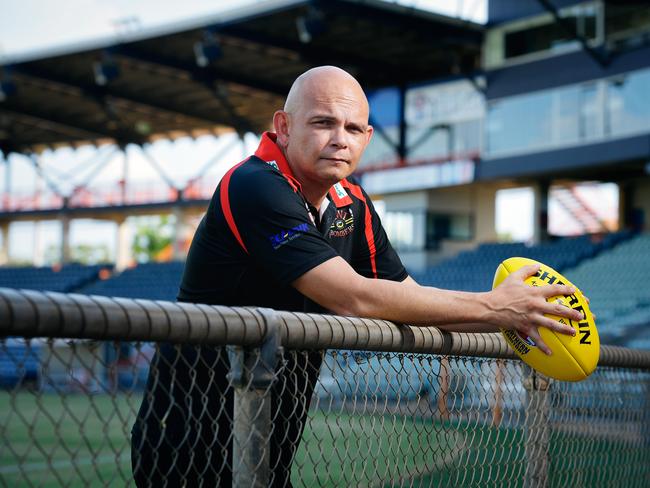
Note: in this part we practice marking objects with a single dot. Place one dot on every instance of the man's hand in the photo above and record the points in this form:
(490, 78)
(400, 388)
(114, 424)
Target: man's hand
(518, 306)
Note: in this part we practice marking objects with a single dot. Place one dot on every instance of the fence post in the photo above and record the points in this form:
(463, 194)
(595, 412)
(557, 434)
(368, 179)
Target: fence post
(537, 429)
(252, 372)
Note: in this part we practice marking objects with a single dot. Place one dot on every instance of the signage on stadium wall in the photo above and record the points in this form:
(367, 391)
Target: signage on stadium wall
(444, 103)
(449, 173)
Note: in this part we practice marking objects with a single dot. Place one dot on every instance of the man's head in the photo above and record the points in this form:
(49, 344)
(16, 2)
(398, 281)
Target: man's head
(323, 129)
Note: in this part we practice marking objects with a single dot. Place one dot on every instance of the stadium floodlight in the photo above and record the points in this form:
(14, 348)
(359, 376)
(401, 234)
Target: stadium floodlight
(105, 70)
(208, 49)
(310, 25)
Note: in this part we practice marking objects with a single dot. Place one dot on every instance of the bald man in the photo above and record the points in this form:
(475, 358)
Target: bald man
(288, 229)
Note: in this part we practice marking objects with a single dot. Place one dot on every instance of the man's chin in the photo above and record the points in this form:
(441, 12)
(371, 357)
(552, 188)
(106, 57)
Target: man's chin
(333, 177)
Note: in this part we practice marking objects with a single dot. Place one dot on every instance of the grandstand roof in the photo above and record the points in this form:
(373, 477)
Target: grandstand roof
(222, 73)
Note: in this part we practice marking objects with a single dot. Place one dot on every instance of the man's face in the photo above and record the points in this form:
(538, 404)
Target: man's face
(326, 135)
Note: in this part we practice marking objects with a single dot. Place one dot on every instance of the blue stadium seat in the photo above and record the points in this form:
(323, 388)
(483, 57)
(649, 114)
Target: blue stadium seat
(611, 271)
(65, 279)
(152, 281)
(615, 281)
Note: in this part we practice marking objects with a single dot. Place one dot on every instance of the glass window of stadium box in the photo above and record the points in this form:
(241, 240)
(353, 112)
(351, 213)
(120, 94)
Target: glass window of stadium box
(418, 230)
(558, 117)
(384, 117)
(542, 35)
(454, 227)
(628, 103)
(444, 122)
(405, 229)
(627, 24)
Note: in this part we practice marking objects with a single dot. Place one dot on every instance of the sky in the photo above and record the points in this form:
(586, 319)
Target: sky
(31, 27)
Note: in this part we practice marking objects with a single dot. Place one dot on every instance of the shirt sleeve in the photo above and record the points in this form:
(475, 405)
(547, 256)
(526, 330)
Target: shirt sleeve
(275, 225)
(389, 265)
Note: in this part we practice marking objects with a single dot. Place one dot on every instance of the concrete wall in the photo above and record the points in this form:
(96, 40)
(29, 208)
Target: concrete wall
(477, 201)
(640, 199)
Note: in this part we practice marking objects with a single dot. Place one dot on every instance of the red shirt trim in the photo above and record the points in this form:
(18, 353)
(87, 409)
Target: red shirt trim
(269, 151)
(370, 236)
(225, 204)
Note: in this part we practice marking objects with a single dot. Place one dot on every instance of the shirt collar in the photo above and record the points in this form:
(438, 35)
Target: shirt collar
(269, 151)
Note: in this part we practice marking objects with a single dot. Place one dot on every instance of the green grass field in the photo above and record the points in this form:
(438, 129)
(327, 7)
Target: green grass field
(76, 440)
(72, 440)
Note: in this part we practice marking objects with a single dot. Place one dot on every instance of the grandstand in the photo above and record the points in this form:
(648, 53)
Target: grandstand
(474, 270)
(550, 96)
(610, 269)
(616, 281)
(152, 281)
(67, 278)
(473, 110)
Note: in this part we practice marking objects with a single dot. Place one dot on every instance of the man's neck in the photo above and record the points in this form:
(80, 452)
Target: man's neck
(314, 196)
(313, 191)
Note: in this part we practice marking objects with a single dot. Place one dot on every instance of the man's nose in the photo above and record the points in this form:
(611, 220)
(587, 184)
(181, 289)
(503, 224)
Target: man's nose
(339, 137)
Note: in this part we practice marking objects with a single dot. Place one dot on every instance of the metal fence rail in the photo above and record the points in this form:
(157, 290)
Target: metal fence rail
(393, 405)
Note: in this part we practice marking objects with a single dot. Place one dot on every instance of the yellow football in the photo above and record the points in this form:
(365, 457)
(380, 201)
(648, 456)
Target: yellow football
(574, 358)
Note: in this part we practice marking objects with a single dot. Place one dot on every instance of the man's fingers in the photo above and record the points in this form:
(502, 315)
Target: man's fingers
(533, 333)
(525, 271)
(556, 326)
(561, 310)
(554, 290)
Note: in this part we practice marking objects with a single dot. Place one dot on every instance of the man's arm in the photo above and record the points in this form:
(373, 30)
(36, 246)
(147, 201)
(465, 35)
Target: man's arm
(513, 305)
(465, 327)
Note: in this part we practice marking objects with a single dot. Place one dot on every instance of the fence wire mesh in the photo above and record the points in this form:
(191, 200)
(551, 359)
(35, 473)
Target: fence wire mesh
(326, 418)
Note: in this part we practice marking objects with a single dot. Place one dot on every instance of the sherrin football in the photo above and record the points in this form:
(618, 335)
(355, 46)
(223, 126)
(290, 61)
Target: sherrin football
(574, 358)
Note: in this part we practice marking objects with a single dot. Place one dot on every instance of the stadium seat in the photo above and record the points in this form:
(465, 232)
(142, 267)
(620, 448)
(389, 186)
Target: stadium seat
(68, 278)
(152, 281)
(611, 271)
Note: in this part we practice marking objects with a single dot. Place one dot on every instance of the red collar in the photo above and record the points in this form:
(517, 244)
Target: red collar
(269, 151)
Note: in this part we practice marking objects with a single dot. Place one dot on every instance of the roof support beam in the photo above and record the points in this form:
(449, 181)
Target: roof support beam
(464, 34)
(312, 54)
(60, 127)
(210, 74)
(101, 93)
(81, 130)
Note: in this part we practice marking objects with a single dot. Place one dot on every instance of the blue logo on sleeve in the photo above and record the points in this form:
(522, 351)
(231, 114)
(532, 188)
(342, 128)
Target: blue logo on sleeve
(281, 238)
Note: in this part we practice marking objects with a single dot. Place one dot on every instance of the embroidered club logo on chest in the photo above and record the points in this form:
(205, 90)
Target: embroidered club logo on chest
(343, 223)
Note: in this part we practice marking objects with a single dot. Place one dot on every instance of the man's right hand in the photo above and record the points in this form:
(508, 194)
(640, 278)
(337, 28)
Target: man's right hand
(518, 306)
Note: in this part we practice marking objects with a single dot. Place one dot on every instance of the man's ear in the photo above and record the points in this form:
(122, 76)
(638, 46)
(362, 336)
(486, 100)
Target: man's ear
(369, 132)
(281, 127)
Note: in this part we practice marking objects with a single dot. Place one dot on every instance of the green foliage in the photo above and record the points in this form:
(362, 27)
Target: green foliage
(87, 254)
(83, 254)
(152, 236)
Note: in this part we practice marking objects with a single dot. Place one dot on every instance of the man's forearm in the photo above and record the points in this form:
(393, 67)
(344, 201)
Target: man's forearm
(512, 305)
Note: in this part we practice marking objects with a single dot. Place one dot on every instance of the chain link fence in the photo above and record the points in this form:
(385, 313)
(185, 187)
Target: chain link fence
(252, 397)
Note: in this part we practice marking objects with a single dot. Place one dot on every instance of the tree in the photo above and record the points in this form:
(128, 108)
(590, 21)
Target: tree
(152, 237)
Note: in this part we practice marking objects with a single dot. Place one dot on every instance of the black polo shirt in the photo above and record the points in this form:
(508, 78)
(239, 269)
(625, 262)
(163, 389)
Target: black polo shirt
(260, 234)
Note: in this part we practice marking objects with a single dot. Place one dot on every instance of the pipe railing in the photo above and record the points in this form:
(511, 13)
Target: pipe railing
(29, 313)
